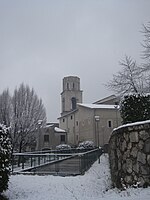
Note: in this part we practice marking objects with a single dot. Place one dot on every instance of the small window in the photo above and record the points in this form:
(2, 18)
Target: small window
(63, 120)
(77, 123)
(109, 124)
(46, 138)
(71, 117)
(74, 103)
(63, 104)
(73, 86)
(62, 138)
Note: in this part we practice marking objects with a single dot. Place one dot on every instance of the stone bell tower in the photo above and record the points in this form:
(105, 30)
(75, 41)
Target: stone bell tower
(71, 94)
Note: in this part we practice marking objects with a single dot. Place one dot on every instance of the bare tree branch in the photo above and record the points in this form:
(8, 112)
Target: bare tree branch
(129, 79)
(146, 46)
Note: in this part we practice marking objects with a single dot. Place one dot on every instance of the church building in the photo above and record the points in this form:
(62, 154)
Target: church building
(94, 121)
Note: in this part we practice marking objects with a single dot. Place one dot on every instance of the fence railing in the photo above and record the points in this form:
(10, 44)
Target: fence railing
(21, 161)
(59, 163)
(88, 158)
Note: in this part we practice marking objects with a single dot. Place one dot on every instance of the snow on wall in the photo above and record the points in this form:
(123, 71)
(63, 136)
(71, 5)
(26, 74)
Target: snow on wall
(130, 155)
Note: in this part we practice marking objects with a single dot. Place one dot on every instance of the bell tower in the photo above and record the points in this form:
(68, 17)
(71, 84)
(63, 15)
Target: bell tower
(71, 94)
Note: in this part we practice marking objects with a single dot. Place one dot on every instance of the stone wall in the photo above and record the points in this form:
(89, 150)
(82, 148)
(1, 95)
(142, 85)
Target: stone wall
(129, 154)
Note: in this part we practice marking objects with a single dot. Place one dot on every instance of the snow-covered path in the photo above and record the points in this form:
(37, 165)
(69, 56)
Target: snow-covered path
(94, 185)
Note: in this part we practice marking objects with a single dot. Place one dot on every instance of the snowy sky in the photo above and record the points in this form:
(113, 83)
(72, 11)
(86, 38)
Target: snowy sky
(41, 41)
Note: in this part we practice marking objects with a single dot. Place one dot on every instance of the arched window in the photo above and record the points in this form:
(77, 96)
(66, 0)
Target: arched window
(73, 86)
(67, 86)
(109, 124)
(63, 104)
(74, 103)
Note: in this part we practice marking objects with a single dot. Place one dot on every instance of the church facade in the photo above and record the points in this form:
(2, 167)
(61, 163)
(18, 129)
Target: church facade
(81, 121)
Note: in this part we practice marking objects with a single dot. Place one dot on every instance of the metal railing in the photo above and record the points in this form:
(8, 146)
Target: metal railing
(63, 161)
(21, 161)
(88, 158)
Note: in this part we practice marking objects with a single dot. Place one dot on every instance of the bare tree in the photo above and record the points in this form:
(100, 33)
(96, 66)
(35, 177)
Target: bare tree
(129, 79)
(146, 55)
(146, 44)
(5, 108)
(28, 109)
(133, 78)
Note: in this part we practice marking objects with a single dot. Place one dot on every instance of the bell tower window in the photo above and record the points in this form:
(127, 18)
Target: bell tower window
(63, 104)
(74, 103)
(67, 86)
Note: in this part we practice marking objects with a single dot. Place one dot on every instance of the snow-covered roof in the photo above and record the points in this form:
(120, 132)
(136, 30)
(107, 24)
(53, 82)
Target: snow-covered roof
(98, 106)
(59, 130)
(49, 125)
(68, 113)
(111, 97)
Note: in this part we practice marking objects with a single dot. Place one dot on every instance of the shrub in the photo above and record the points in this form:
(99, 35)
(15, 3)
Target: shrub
(134, 108)
(86, 145)
(5, 155)
(63, 147)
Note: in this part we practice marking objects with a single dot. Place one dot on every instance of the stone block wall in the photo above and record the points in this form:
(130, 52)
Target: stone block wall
(129, 154)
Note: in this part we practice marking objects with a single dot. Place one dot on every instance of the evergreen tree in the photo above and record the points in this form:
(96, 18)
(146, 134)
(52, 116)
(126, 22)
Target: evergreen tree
(135, 108)
(5, 156)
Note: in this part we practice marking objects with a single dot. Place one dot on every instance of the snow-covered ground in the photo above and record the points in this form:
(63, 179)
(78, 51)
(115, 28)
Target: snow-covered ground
(94, 185)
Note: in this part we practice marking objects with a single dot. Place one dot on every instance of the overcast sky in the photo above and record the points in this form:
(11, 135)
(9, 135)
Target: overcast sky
(41, 41)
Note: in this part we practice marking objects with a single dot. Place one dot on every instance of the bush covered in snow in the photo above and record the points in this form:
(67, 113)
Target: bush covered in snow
(134, 108)
(63, 147)
(5, 155)
(86, 145)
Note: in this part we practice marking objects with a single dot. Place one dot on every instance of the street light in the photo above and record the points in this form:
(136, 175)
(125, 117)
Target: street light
(97, 119)
(116, 107)
(38, 138)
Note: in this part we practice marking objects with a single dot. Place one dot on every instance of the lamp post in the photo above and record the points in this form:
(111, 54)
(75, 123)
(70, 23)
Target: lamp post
(97, 119)
(116, 107)
(103, 135)
(39, 127)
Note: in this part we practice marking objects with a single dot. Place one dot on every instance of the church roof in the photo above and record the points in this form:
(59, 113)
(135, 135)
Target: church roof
(68, 113)
(102, 101)
(98, 106)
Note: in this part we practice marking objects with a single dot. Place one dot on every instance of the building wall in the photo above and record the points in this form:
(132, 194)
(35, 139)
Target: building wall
(54, 138)
(86, 128)
(97, 131)
(70, 125)
(81, 125)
